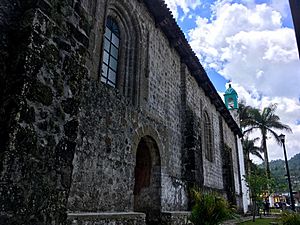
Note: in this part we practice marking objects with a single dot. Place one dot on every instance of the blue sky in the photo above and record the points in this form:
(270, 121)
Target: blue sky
(204, 11)
(251, 43)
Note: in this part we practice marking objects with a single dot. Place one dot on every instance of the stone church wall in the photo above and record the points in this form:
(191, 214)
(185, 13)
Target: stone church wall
(232, 144)
(42, 75)
(164, 103)
(111, 126)
(199, 103)
(70, 141)
(112, 122)
(213, 174)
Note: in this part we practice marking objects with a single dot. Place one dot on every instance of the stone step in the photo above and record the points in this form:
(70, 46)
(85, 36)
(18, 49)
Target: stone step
(126, 218)
(106, 218)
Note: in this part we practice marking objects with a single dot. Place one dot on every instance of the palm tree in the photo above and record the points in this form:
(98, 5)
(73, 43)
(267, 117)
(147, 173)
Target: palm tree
(250, 148)
(244, 114)
(265, 121)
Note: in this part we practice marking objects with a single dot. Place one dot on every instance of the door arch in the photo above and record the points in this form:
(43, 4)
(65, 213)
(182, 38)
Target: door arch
(147, 187)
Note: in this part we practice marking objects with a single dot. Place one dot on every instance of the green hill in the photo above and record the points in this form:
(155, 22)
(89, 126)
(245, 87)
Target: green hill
(278, 172)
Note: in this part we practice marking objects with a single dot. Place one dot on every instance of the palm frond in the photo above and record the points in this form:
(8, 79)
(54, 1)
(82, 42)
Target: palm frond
(280, 126)
(258, 154)
(249, 130)
(250, 148)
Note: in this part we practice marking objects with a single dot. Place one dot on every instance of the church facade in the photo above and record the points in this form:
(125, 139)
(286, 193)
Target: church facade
(114, 118)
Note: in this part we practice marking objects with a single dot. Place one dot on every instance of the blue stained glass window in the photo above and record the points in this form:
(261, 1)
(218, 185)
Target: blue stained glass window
(110, 53)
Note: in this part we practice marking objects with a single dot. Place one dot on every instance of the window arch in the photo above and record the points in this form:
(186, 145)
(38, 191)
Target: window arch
(111, 45)
(131, 55)
(208, 137)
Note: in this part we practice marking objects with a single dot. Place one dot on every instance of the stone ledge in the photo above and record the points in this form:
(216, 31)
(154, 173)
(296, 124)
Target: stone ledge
(175, 217)
(177, 213)
(106, 215)
(106, 218)
(126, 218)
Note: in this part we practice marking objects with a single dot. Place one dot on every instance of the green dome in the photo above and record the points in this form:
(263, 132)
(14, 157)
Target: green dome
(230, 91)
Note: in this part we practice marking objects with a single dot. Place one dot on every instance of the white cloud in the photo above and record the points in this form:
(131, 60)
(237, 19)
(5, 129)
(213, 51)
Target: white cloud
(248, 44)
(281, 6)
(185, 5)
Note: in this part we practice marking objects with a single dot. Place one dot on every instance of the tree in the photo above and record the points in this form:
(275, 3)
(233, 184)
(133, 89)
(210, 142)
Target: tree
(244, 114)
(250, 148)
(259, 184)
(265, 121)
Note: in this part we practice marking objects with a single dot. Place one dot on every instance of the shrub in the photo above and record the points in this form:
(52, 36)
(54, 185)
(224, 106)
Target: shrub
(290, 218)
(210, 208)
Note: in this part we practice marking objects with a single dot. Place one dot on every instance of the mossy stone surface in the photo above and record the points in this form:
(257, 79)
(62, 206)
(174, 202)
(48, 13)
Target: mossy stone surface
(41, 93)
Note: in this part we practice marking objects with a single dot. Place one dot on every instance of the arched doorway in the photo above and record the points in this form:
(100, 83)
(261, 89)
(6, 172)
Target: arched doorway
(147, 187)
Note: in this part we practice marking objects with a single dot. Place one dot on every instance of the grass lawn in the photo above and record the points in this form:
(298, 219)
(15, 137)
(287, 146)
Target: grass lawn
(259, 222)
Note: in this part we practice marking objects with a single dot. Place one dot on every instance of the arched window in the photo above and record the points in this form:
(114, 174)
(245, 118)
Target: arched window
(208, 137)
(111, 45)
